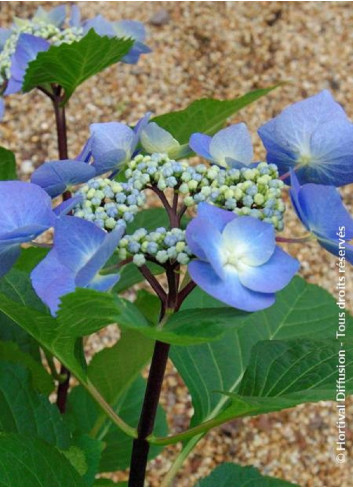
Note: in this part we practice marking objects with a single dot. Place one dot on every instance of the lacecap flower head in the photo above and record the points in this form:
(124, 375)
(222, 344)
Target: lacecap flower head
(314, 137)
(238, 261)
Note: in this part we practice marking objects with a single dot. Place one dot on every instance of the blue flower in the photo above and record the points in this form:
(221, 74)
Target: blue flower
(315, 138)
(55, 16)
(80, 250)
(27, 49)
(230, 147)
(112, 144)
(320, 209)
(55, 177)
(238, 261)
(25, 213)
(124, 28)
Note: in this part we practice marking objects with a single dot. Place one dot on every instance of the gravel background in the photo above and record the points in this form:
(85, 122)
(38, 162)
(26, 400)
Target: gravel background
(216, 49)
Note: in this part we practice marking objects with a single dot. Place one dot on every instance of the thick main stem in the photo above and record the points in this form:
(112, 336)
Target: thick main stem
(145, 427)
(61, 130)
(148, 414)
(60, 119)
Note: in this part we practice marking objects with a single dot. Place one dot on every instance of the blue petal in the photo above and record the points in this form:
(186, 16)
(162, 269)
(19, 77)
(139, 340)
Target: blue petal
(324, 211)
(332, 246)
(102, 26)
(24, 204)
(142, 123)
(86, 152)
(331, 149)
(103, 283)
(232, 146)
(155, 139)
(55, 176)
(76, 241)
(22, 234)
(8, 257)
(215, 217)
(67, 205)
(51, 279)
(75, 16)
(272, 275)
(99, 259)
(4, 35)
(205, 242)
(55, 16)
(27, 48)
(112, 145)
(135, 52)
(2, 108)
(218, 217)
(288, 137)
(230, 291)
(130, 28)
(252, 240)
(200, 144)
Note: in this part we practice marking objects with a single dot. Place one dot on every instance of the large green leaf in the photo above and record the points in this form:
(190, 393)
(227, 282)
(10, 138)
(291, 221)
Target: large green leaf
(97, 310)
(115, 372)
(233, 475)
(24, 411)
(206, 115)
(112, 370)
(69, 65)
(282, 374)
(84, 415)
(19, 303)
(117, 453)
(301, 311)
(7, 165)
(40, 379)
(29, 462)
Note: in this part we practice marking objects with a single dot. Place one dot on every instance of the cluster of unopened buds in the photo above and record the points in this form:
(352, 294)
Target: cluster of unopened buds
(108, 203)
(161, 245)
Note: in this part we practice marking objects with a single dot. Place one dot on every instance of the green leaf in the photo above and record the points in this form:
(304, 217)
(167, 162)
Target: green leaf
(301, 311)
(7, 165)
(16, 286)
(206, 115)
(84, 413)
(130, 275)
(97, 310)
(149, 219)
(112, 370)
(40, 379)
(19, 303)
(117, 453)
(102, 482)
(30, 257)
(233, 475)
(85, 455)
(69, 65)
(29, 462)
(149, 304)
(25, 411)
(115, 372)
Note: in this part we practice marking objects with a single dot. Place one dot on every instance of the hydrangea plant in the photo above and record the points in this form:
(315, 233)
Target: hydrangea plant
(223, 302)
